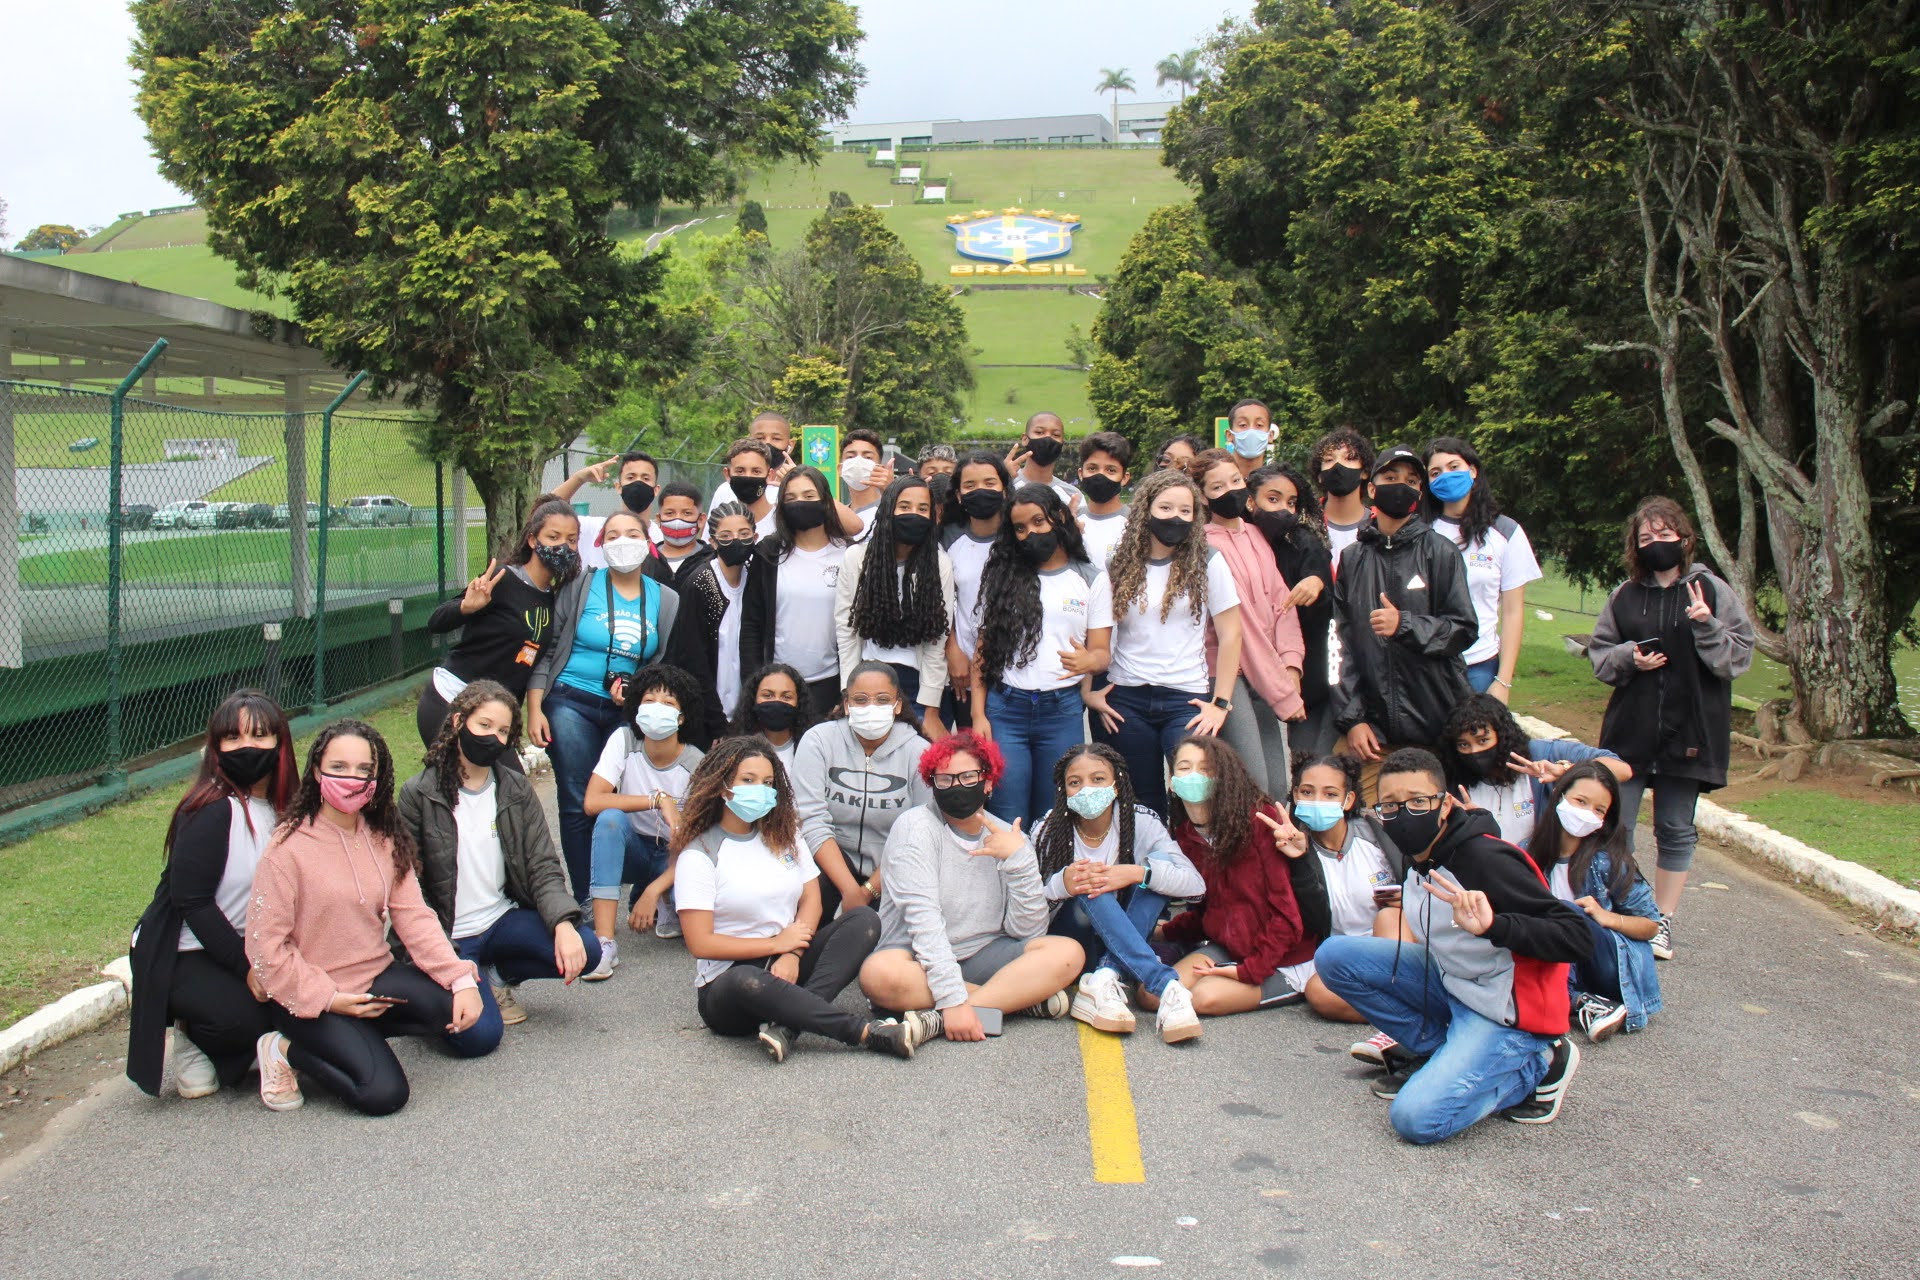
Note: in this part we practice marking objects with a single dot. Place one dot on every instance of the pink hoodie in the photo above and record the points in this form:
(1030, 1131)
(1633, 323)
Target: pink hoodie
(1270, 633)
(316, 924)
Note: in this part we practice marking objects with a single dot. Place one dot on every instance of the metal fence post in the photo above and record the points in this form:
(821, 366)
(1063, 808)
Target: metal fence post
(440, 527)
(116, 451)
(326, 521)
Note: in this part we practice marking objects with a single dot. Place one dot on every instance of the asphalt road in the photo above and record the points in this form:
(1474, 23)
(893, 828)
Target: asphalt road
(1766, 1125)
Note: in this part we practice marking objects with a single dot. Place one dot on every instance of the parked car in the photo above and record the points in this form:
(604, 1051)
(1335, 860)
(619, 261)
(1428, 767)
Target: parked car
(283, 515)
(259, 516)
(136, 515)
(228, 515)
(378, 509)
(179, 515)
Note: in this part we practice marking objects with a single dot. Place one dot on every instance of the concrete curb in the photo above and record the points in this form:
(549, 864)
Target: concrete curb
(73, 1014)
(1884, 899)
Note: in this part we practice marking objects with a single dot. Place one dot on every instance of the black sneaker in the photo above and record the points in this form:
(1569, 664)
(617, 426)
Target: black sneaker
(1598, 1016)
(1400, 1068)
(923, 1025)
(1663, 939)
(890, 1037)
(1551, 1092)
(777, 1040)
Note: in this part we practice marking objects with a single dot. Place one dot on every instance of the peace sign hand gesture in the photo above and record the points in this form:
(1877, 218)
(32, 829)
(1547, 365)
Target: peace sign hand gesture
(1547, 771)
(480, 591)
(1291, 839)
(1697, 609)
(1017, 455)
(1471, 909)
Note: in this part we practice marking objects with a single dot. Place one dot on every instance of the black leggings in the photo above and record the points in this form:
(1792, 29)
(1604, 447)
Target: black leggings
(222, 1016)
(746, 995)
(430, 716)
(350, 1057)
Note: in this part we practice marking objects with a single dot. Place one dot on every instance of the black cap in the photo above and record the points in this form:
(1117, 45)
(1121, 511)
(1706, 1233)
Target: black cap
(1396, 453)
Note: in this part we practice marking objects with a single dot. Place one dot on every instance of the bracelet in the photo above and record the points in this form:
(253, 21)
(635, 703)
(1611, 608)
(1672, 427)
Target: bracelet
(1504, 684)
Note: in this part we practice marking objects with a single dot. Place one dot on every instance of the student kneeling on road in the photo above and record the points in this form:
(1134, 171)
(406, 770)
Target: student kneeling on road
(965, 912)
(1476, 990)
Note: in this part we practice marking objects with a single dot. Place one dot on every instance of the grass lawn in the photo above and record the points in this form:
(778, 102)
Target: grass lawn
(72, 895)
(357, 557)
(192, 270)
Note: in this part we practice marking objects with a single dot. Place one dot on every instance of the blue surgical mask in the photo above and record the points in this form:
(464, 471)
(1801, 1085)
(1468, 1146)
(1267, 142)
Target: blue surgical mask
(1318, 815)
(1251, 442)
(1451, 486)
(1091, 802)
(752, 801)
(657, 720)
(1194, 788)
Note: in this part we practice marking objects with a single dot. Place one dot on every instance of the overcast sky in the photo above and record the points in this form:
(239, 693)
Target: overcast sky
(73, 151)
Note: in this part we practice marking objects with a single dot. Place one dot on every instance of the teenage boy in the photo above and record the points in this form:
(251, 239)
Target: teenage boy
(1474, 992)
(749, 468)
(938, 460)
(1403, 617)
(1104, 458)
(775, 434)
(1040, 447)
(1340, 462)
(865, 476)
(1249, 435)
(639, 477)
(679, 550)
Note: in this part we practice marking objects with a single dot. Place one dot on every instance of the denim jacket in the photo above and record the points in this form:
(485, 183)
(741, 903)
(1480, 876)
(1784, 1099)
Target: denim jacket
(1639, 979)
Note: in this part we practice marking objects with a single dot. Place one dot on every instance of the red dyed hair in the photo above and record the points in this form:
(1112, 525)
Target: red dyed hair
(938, 757)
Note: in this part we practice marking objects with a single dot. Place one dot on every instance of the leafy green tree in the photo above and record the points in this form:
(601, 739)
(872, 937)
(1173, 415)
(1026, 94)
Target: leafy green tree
(51, 235)
(839, 200)
(813, 389)
(429, 183)
(1116, 81)
(1185, 69)
(752, 218)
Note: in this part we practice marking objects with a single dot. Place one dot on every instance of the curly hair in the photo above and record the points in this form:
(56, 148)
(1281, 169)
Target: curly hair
(1010, 631)
(938, 756)
(242, 711)
(1347, 766)
(745, 725)
(444, 755)
(1482, 508)
(783, 533)
(1235, 797)
(892, 608)
(706, 797)
(1053, 842)
(381, 814)
(1664, 511)
(954, 513)
(1306, 501)
(1544, 845)
(676, 681)
(1323, 449)
(1480, 711)
(1127, 569)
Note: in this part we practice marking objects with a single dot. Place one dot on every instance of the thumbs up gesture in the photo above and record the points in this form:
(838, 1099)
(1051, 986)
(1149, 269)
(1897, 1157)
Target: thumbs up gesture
(1386, 619)
(1080, 660)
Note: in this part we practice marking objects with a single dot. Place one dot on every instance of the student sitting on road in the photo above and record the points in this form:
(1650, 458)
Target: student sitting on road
(894, 599)
(340, 870)
(750, 906)
(189, 961)
(852, 776)
(488, 867)
(1244, 944)
(632, 798)
(1110, 868)
(1580, 840)
(1475, 992)
(774, 704)
(1504, 771)
(965, 912)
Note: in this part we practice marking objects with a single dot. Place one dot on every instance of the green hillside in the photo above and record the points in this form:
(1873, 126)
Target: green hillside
(192, 270)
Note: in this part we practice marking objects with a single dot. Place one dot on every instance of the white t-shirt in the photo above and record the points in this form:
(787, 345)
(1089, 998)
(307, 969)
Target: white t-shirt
(865, 515)
(726, 675)
(803, 625)
(1498, 563)
(1170, 653)
(1102, 534)
(1339, 538)
(1352, 875)
(244, 848)
(625, 764)
(762, 525)
(904, 655)
(1175, 876)
(1070, 607)
(1558, 882)
(1511, 804)
(969, 556)
(480, 885)
(752, 892)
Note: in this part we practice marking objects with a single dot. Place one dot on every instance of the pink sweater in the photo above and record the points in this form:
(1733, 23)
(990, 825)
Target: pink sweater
(1270, 633)
(315, 925)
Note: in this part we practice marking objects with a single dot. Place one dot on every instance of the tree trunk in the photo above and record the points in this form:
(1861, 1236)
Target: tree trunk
(508, 489)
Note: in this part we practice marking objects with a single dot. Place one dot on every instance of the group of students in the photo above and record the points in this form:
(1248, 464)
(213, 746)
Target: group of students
(976, 776)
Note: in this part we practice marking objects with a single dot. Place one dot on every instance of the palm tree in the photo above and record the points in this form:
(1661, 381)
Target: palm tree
(1183, 69)
(1116, 83)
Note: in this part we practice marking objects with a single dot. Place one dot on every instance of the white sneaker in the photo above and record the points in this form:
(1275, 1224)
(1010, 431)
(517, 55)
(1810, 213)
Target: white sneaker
(666, 920)
(609, 961)
(1100, 1003)
(1176, 1020)
(193, 1073)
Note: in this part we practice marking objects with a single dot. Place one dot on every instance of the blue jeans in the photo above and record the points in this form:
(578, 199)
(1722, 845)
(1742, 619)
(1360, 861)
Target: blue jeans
(622, 855)
(519, 947)
(580, 723)
(1155, 719)
(1122, 930)
(1474, 1066)
(1674, 801)
(1598, 974)
(1033, 729)
(1480, 674)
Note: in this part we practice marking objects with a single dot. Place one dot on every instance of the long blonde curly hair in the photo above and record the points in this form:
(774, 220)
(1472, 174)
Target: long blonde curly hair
(1187, 574)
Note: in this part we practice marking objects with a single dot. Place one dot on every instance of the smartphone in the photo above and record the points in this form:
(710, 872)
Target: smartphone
(1655, 645)
(388, 999)
(989, 1020)
(1386, 897)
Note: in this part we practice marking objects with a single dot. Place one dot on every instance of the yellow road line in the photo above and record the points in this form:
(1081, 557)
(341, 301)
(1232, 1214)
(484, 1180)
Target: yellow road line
(1110, 1120)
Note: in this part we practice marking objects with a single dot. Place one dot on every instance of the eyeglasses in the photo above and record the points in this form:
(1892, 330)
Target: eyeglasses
(971, 778)
(1388, 810)
(870, 700)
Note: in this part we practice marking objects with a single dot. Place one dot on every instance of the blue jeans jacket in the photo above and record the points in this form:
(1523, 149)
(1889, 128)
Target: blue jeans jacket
(1633, 961)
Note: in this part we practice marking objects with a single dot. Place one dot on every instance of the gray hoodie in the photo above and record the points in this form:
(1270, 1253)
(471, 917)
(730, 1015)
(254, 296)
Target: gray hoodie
(847, 796)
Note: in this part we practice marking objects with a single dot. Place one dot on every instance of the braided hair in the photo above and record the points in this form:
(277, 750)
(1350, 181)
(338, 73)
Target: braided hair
(1235, 797)
(1053, 842)
(1010, 631)
(895, 609)
(381, 814)
(1188, 573)
(706, 796)
(443, 757)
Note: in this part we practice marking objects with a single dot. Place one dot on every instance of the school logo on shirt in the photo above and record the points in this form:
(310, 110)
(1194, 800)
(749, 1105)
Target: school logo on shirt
(1382, 879)
(830, 574)
(1074, 605)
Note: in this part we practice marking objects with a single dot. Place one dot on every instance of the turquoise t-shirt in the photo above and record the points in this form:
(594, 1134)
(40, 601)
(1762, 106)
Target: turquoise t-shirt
(633, 637)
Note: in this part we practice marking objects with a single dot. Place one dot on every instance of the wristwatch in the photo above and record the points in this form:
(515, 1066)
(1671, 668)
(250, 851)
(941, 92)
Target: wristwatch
(1146, 877)
(1225, 704)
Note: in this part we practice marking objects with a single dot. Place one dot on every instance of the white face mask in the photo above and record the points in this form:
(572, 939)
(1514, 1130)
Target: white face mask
(657, 720)
(624, 554)
(857, 471)
(1577, 822)
(871, 723)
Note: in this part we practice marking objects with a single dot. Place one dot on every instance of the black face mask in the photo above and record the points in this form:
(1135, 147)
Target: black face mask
(1171, 530)
(775, 715)
(736, 553)
(748, 488)
(983, 504)
(961, 802)
(562, 561)
(1396, 501)
(1661, 556)
(1099, 488)
(245, 766)
(1277, 525)
(1038, 548)
(1230, 505)
(805, 515)
(940, 485)
(911, 530)
(1340, 479)
(1045, 450)
(1484, 765)
(480, 748)
(1413, 832)
(637, 494)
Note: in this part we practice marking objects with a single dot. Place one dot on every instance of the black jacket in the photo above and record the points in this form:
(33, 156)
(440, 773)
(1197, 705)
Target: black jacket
(1405, 685)
(695, 644)
(1310, 877)
(758, 605)
(535, 876)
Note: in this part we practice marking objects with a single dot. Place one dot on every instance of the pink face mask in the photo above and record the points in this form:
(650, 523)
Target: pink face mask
(348, 795)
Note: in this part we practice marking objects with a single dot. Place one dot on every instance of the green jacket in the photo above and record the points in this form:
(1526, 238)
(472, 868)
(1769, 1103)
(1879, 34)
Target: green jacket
(535, 876)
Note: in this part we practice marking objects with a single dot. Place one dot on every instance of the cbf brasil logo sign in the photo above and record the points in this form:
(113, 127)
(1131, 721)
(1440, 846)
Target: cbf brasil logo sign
(1013, 235)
